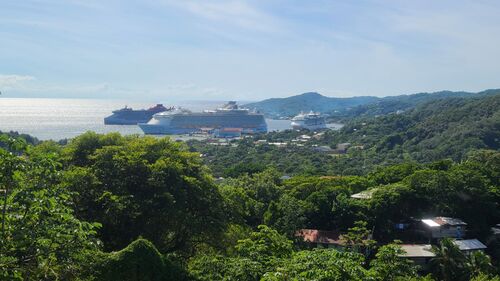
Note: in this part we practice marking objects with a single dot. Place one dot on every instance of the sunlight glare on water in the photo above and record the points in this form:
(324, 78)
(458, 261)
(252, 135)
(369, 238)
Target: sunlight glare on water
(66, 118)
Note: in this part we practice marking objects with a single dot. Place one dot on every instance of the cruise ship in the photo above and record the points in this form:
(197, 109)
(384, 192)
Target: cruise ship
(128, 116)
(309, 121)
(183, 121)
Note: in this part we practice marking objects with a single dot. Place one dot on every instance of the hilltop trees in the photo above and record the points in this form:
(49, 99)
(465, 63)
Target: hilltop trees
(41, 238)
(145, 187)
(108, 207)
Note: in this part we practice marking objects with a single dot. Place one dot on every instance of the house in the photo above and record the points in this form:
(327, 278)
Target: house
(279, 144)
(321, 238)
(304, 138)
(318, 136)
(323, 149)
(342, 147)
(420, 254)
(443, 227)
(469, 245)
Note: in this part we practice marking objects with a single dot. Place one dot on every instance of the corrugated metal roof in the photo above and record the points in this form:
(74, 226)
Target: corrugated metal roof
(430, 223)
(469, 244)
(417, 251)
(439, 221)
(449, 221)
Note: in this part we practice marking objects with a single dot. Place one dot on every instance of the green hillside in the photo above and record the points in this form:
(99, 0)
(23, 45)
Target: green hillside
(405, 102)
(290, 106)
(341, 108)
(448, 128)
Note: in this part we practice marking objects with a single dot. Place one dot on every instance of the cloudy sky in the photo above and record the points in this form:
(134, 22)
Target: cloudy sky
(236, 49)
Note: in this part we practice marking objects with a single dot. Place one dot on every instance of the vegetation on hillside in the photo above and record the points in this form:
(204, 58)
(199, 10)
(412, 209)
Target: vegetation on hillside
(343, 108)
(109, 207)
(448, 128)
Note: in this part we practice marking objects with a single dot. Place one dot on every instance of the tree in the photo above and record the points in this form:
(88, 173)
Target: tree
(389, 265)
(479, 263)
(358, 237)
(485, 277)
(253, 256)
(209, 267)
(264, 246)
(286, 216)
(41, 238)
(144, 187)
(449, 262)
(321, 265)
(139, 261)
(248, 198)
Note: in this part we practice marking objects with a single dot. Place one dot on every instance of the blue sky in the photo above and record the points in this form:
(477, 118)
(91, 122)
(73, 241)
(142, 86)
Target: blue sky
(247, 50)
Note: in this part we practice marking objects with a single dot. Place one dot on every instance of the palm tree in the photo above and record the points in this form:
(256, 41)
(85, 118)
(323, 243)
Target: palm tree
(478, 262)
(449, 263)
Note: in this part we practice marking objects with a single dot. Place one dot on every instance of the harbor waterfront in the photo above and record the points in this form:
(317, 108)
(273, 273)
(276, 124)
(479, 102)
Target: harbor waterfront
(66, 118)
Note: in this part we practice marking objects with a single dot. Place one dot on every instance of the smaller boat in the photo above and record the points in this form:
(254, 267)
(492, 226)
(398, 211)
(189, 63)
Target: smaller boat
(309, 121)
(129, 116)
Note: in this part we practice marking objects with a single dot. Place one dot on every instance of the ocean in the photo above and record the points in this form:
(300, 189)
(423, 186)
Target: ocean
(66, 118)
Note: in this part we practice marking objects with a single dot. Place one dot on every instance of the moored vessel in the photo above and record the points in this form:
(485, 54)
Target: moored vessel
(129, 116)
(309, 121)
(183, 121)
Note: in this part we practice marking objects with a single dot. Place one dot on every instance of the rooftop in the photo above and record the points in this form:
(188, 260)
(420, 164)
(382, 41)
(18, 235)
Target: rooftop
(469, 244)
(319, 236)
(440, 221)
(417, 251)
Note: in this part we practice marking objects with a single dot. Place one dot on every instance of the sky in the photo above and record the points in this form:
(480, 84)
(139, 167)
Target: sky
(246, 50)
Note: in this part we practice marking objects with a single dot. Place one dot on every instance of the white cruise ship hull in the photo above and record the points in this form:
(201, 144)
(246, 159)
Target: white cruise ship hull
(186, 123)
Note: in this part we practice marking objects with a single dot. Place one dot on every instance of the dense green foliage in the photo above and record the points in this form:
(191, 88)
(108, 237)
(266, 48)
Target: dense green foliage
(109, 207)
(266, 255)
(143, 187)
(139, 261)
(41, 239)
(400, 103)
(448, 128)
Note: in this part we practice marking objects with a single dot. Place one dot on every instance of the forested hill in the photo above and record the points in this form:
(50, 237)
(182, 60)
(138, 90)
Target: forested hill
(405, 102)
(447, 128)
(355, 106)
(290, 106)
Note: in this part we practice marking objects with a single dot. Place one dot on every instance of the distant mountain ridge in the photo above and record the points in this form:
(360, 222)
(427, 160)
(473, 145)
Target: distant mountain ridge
(290, 106)
(353, 106)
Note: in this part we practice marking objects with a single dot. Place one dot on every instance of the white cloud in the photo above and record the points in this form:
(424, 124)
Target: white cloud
(13, 80)
(233, 12)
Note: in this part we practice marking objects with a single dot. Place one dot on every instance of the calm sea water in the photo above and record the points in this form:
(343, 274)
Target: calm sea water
(66, 118)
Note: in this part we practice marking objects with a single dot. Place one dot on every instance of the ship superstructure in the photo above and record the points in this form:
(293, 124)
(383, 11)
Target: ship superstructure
(183, 121)
(309, 121)
(128, 116)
